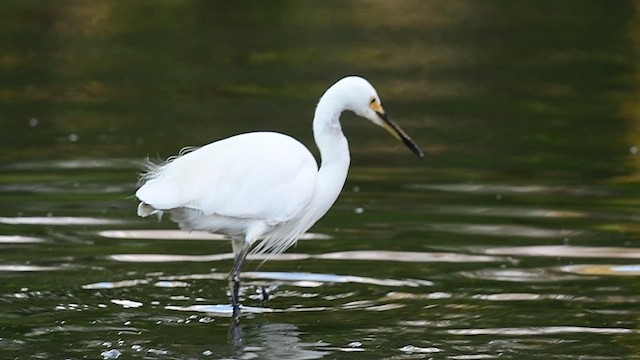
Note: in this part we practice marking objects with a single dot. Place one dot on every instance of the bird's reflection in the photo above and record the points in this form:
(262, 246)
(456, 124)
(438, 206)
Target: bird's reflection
(237, 339)
(270, 341)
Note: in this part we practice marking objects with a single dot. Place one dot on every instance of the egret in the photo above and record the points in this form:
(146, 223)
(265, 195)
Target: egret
(263, 188)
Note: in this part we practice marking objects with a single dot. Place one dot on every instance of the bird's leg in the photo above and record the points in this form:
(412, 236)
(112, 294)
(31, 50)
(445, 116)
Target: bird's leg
(235, 334)
(234, 280)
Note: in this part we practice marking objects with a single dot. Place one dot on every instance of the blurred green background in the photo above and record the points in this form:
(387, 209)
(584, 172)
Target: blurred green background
(516, 237)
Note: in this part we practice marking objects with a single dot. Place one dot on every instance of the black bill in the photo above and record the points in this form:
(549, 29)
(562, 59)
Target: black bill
(399, 134)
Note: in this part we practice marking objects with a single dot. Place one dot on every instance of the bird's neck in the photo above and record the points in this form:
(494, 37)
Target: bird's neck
(327, 132)
(334, 154)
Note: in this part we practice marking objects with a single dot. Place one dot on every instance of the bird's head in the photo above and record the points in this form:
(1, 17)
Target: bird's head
(362, 98)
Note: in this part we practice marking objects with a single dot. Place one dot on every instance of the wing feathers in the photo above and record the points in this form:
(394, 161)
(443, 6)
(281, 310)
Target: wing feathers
(266, 176)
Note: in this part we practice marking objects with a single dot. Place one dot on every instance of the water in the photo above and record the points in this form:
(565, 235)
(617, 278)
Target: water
(517, 237)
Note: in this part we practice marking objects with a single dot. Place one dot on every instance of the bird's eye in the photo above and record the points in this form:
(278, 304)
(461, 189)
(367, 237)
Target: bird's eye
(373, 100)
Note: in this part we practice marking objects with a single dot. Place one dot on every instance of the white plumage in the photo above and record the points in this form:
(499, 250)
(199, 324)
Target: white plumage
(231, 185)
(264, 185)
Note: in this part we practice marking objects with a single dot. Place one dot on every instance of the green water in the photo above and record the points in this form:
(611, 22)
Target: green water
(517, 237)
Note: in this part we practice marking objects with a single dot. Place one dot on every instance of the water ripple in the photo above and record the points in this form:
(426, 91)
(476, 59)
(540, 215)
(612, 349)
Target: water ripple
(529, 297)
(208, 276)
(411, 349)
(63, 188)
(506, 212)
(224, 310)
(519, 275)
(407, 256)
(394, 295)
(76, 329)
(28, 268)
(58, 220)
(163, 258)
(503, 230)
(531, 331)
(330, 278)
(160, 235)
(365, 255)
(182, 235)
(603, 270)
(71, 164)
(19, 239)
(127, 303)
(514, 189)
(115, 284)
(567, 251)
(170, 284)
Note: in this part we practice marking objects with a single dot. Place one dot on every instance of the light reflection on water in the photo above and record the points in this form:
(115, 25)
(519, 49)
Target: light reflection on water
(75, 164)
(63, 188)
(501, 189)
(19, 239)
(181, 235)
(522, 275)
(396, 256)
(516, 238)
(504, 230)
(445, 296)
(567, 251)
(29, 268)
(506, 212)
(603, 269)
(540, 331)
(58, 221)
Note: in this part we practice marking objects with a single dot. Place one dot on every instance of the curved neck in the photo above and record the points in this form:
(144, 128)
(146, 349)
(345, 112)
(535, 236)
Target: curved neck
(334, 153)
(327, 133)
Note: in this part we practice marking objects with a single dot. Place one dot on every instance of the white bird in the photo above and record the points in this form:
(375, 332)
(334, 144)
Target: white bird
(263, 187)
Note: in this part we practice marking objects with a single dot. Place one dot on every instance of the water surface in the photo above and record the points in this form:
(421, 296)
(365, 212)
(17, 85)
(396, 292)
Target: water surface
(517, 236)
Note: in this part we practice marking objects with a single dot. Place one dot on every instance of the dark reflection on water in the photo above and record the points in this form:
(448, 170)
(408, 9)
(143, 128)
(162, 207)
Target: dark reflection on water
(516, 238)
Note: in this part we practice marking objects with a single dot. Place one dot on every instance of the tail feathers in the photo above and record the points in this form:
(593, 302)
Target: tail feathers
(145, 210)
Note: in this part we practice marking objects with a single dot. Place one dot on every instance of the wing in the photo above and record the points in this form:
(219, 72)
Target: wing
(260, 175)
